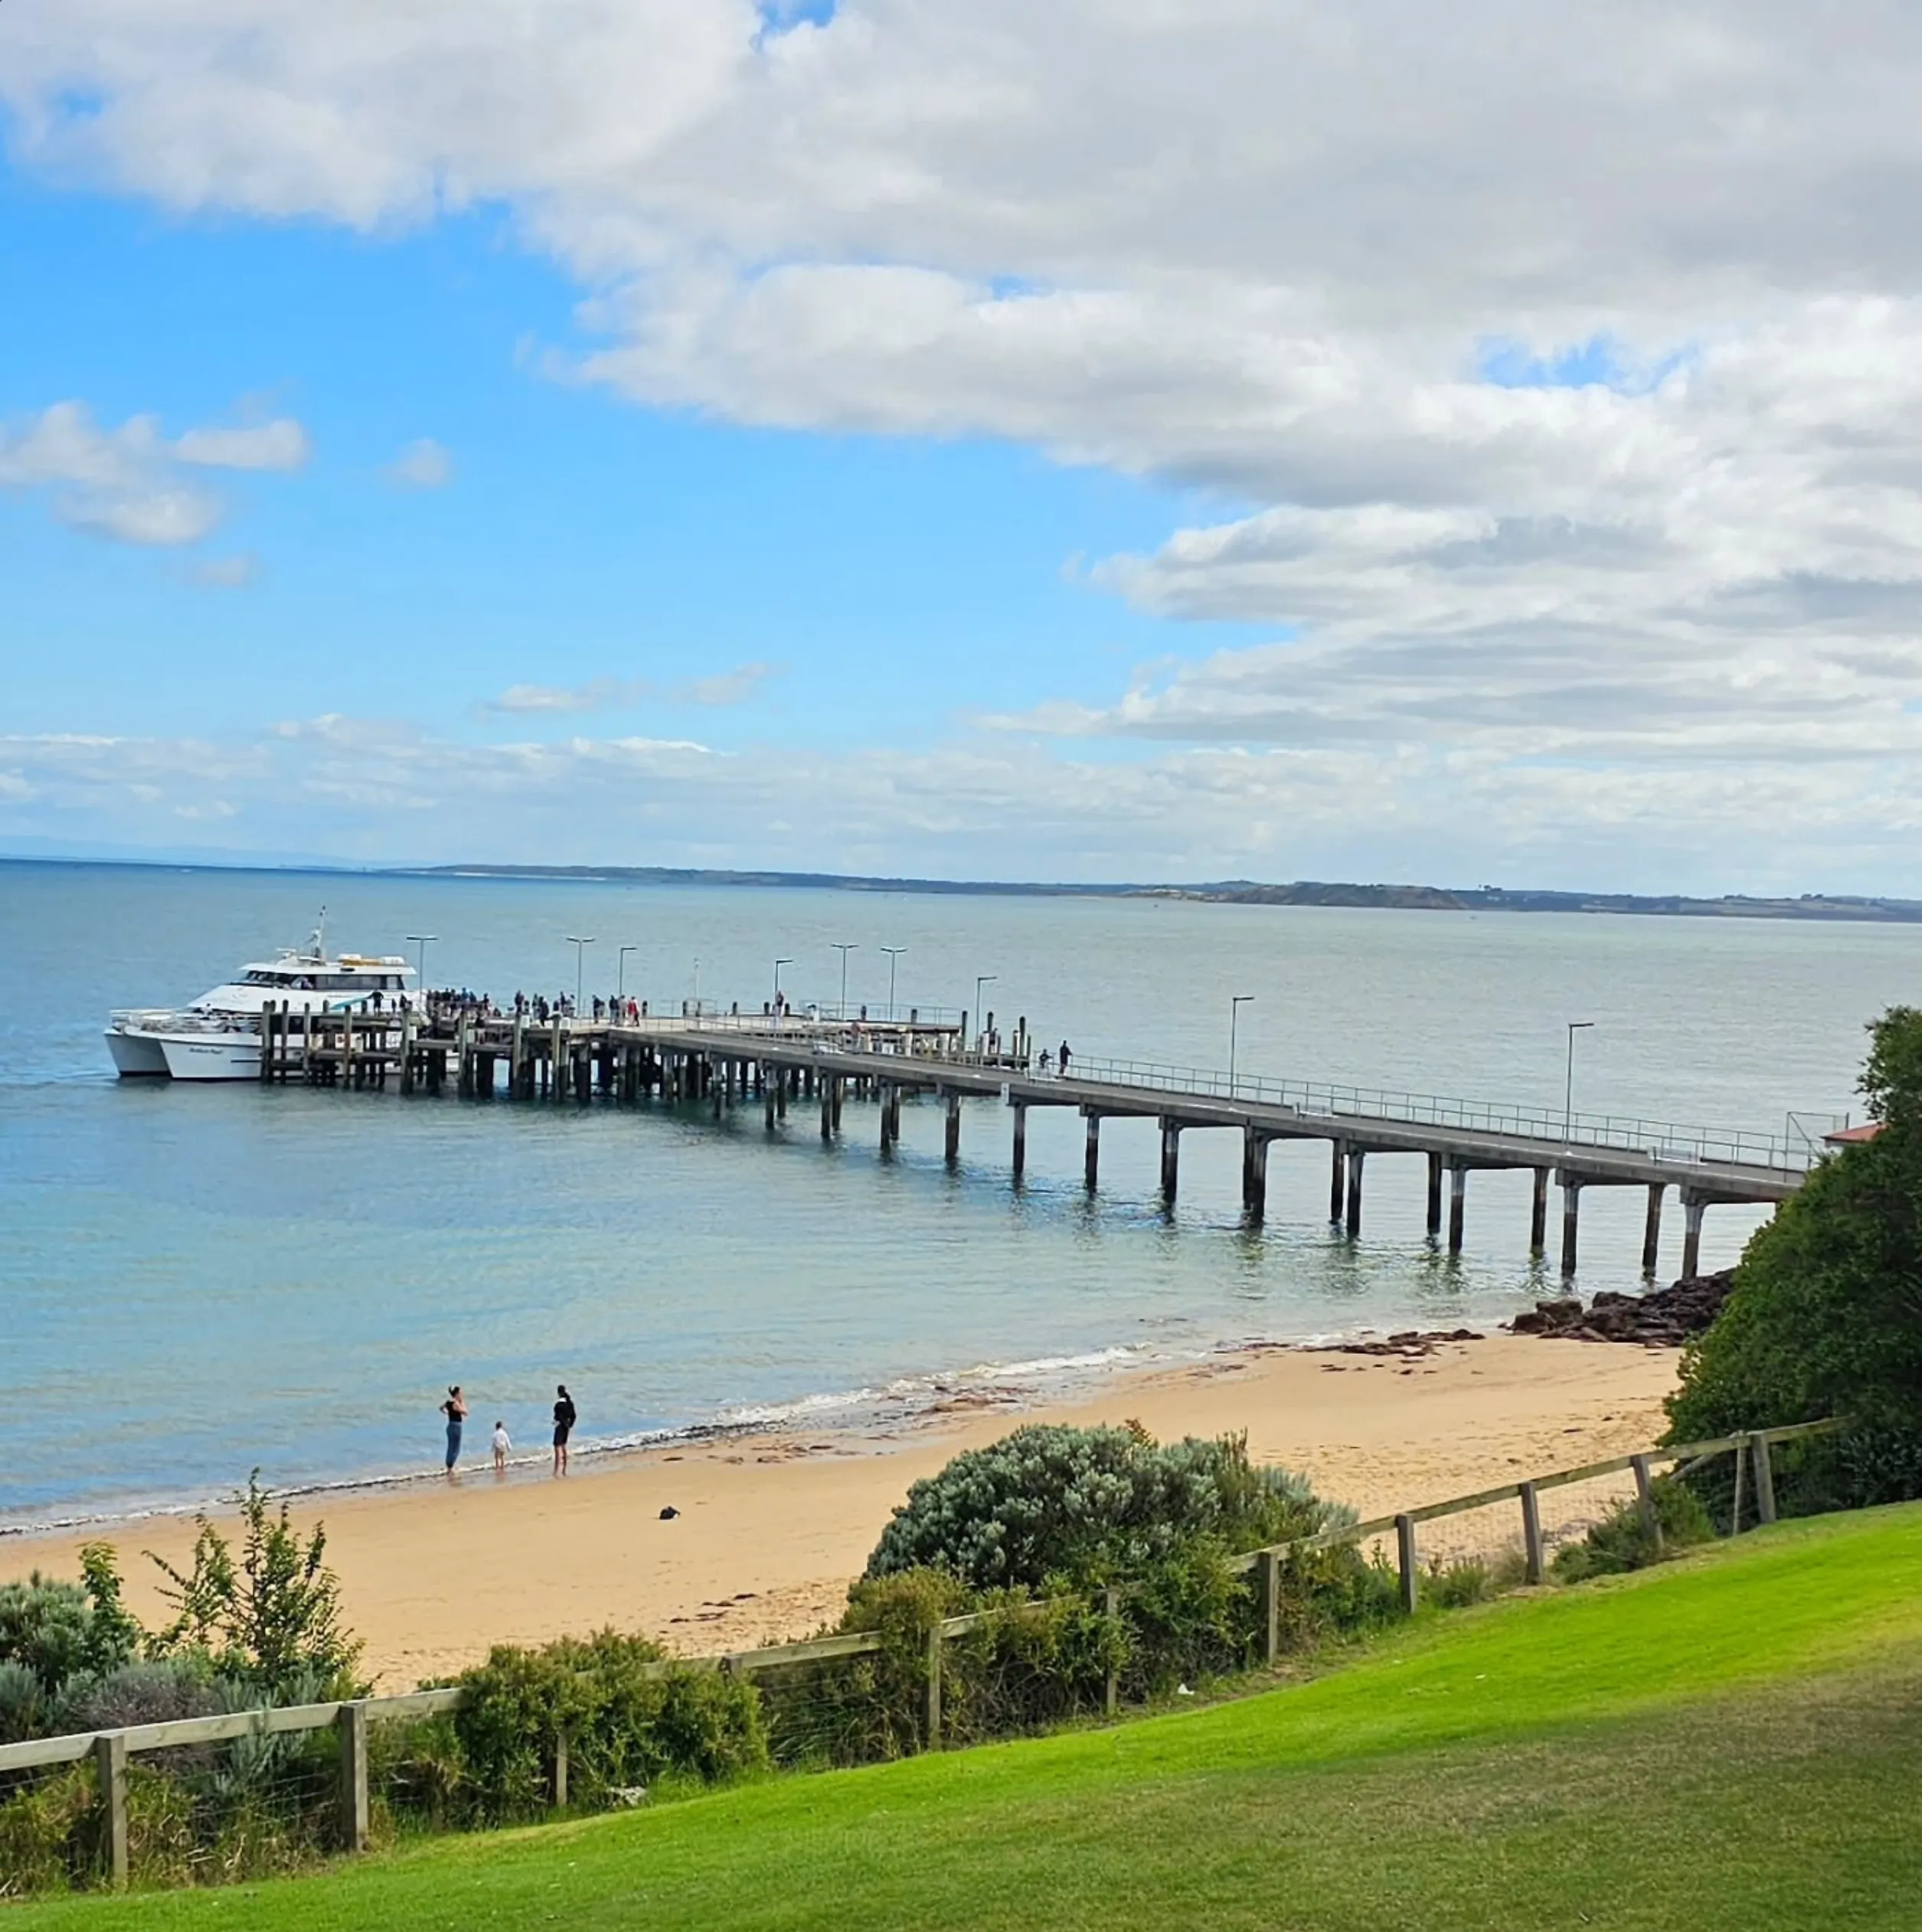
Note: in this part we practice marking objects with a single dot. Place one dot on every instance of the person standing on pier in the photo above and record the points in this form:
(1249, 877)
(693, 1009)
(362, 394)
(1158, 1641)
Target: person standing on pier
(564, 1427)
(455, 1409)
(1061, 1061)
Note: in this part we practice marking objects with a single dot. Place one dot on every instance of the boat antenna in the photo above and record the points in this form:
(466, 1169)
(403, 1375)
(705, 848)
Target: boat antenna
(318, 944)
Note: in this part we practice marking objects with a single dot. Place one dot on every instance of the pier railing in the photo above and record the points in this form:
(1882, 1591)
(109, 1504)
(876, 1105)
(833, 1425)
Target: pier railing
(1664, 1140)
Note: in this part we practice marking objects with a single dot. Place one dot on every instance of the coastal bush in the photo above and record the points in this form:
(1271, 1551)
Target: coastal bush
(59, 1631)
(630, 1723)
(1051, 1507)
(1825, 1317)
(49, 1830)
(1624, 1540)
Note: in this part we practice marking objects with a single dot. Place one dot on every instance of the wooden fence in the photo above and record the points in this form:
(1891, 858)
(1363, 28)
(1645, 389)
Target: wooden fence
(110, 1750)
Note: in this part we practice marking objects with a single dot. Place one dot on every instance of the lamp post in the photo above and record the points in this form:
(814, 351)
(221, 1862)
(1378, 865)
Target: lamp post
(844, 947)
(778, 964)
(894, 953)
(980, 1018)
(580, 949)
(620, 990)
(1236, 1002)
(423, 941)
(1568, 1086)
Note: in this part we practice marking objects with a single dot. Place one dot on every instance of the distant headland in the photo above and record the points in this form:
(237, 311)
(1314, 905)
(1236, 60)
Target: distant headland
(1250, 892)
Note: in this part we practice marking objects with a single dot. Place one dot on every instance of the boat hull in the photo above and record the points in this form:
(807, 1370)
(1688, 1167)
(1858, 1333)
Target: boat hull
(136, 1056)
(212, 1056)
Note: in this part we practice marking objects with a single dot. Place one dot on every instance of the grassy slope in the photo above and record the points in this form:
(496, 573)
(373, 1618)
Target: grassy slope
(1735, 1741)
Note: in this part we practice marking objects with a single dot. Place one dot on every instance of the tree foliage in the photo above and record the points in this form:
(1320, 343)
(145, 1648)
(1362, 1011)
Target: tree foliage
(1051, 1505)
(1825, 1315)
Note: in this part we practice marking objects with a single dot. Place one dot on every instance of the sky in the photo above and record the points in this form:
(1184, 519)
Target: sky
(1084, 439)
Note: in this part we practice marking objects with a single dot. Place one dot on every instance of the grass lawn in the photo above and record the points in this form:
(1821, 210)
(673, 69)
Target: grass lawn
(1734, 1740)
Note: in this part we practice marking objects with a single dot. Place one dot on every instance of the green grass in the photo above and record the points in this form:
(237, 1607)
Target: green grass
(1731, 1741)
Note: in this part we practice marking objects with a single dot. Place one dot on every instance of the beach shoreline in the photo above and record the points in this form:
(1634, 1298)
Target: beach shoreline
(772, 1523)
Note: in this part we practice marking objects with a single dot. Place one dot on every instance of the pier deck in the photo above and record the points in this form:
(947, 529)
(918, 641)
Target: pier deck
(731, 1060)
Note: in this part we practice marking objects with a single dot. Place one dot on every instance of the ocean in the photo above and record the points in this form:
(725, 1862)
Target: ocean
(197, 1282)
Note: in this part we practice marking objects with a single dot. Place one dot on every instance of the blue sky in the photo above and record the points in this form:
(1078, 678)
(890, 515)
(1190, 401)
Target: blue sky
(1046, 439)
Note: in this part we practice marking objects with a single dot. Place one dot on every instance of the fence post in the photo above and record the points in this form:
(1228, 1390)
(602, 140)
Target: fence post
(1531, 1533)
(1741, 1465)
(1758, 1446)
(1271, 1605)
(1111, 1691)
(1404, 1537)
(1645, 1493)
(353, 1819)
(934, 1688)
(110, 1771)
(560, 1770)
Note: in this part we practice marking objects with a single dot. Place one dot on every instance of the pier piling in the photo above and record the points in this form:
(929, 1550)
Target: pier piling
(1018, 1156)
(1338, 1184)
(1171, 1160)
(1356, 1156)
(952, 1146)
(1651, 1228)
(1254, 1173)
(1434, 1196)
(1457, 1204)
(1538, 1213)
(1571, 1209)
(1091, 1157)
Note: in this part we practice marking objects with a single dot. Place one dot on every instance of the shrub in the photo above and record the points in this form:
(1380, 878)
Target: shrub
(24, 1703)
(1623, 1540)
(1454, 1586)
(142, 1693)
(1825, 1315)
(627, 1724)
(1053, 1505)
(47, 1830)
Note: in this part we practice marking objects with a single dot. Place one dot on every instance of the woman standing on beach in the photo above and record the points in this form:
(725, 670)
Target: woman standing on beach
(563, 1427)
(455, 1409)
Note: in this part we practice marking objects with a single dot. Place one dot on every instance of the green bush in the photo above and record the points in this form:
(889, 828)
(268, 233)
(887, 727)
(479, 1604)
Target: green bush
(1053, 1506)
(628, 1726)
(49, 1832)
(1624, 1541)
(1825, 1315)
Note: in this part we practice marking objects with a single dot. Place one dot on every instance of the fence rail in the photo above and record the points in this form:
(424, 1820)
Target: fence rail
(110, 1750)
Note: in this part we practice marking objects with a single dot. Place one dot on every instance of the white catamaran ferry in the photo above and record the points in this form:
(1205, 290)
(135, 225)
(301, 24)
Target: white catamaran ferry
(218, 1036)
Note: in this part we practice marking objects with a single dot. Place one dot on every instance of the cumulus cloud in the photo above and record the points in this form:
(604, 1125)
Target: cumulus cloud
(126, 483)
(722, 689)
(422, 465)
(1558, 375)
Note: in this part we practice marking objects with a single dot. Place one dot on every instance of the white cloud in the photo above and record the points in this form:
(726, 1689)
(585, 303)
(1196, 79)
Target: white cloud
(422, 465)
(1264, 248)
(233, 572)
(282, 444)
(722, 689)
(126, 483)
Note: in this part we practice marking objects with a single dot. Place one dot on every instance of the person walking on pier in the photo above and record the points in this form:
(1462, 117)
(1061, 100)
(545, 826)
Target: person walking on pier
(564, 1427)
(455, 1409)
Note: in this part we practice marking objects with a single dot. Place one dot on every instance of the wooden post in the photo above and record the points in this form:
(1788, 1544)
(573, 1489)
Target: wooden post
(1111, 1690)
(355, 1810)
(1538, 1213)
(110, 1772)
(266, 1043)
(1254, 1174)
(407, 1051)
(1021, 1140)
(1338, 1185)
(953, 1148)
(1571, 1209)
(1171, 1160)
(1457, 1205)
(1404, 1537)
(827, 1112)
(767, 1102)
(1531, 1549)
(934, 1688)
(560, 1770)
(835, 1088)
(1356, 1156)
(887, 1124)
(1434, 1196)
(1270, 1606)
(1735, 1513)
(1651, 1228)
(1691, 1213)
(1758, 1451)
(782, 1079)
(1091, 1158)
(1645, 1495)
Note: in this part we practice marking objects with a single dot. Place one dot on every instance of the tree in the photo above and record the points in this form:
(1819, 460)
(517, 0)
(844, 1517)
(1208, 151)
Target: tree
(1825, 1315)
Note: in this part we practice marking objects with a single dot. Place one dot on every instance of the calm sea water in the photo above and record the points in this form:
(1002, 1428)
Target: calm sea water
(194, 1281)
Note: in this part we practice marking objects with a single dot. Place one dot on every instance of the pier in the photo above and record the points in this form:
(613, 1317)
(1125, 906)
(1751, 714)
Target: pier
(782, 1061)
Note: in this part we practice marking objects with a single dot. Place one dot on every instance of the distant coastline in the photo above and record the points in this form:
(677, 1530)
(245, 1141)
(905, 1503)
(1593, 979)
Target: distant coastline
(1248, 892)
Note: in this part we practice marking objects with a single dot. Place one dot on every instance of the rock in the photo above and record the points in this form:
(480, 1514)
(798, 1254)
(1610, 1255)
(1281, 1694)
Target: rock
(1663, 1318)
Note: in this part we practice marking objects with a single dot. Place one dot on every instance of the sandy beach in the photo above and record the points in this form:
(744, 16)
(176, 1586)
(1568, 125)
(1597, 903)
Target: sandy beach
(771, 1529)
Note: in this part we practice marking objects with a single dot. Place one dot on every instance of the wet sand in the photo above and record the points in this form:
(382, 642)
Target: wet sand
(772, 1528)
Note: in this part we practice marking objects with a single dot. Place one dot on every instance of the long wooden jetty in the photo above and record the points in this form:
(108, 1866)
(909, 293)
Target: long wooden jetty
(733, 1060)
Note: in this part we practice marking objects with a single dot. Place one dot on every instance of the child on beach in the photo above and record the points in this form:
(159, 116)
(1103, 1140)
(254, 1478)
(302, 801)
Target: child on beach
(501, 1445)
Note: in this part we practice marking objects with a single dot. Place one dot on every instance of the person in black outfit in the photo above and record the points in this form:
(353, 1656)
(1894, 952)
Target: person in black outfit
(564, 1427)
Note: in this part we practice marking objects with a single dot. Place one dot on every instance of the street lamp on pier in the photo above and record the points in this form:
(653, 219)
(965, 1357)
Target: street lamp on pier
(980, 1017)
(581, 948)
(1236, 1002)
(778, 964)
(893, 954)
(423, 941)
(844, 947)
(1568, 1086)
(620, 988)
